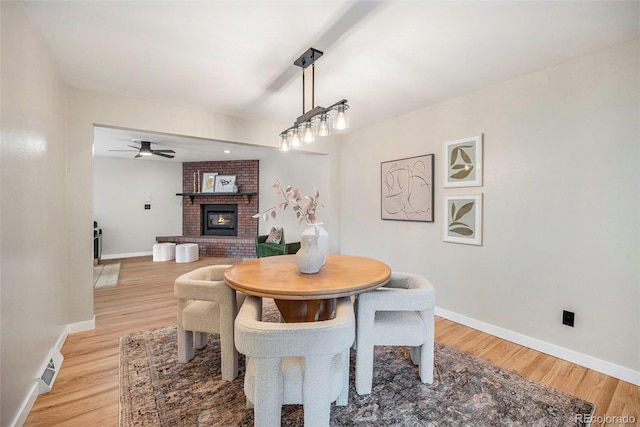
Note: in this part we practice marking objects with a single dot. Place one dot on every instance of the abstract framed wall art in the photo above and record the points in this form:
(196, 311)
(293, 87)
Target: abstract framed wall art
(462, 219)
(407, 189)
(462, 162)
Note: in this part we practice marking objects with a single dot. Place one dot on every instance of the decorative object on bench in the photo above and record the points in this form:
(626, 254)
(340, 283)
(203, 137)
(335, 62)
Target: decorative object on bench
(164, 252)
(97, 243)
(207, 305)
(187, 252)
(265, 248)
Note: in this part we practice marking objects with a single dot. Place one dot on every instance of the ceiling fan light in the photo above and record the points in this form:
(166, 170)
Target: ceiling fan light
(308, 132)
(341, 121)
(323, 125)
(145, 153)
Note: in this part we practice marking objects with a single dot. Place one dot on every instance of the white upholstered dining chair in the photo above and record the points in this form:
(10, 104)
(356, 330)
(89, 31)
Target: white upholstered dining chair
(401, 313)
(295, 363)
(206, 305)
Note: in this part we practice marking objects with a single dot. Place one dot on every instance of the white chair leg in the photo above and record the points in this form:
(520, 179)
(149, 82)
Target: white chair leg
(228, 352)
(415, 355)
(343, 398)
(267, 402)
(364, 354)
(427, 350)
(185, 345)
(316, 400)
(201, 340)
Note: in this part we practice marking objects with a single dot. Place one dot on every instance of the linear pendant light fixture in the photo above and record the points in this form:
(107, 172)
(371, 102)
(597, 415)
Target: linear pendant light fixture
(314, 120)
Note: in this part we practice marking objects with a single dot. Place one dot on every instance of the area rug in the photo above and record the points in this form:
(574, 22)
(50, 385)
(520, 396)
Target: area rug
(106, 275)
(157, 391)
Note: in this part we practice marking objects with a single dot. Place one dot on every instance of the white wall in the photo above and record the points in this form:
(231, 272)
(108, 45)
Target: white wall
(561, 205)
(86, 109)
(33, 211)
(306, 171)
(121, 188)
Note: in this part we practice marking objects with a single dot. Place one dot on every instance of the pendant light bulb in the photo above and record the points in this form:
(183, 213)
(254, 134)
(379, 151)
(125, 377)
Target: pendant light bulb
(308, 134)
(323, 126)
(284, 142)
(295, 139)
(341, 121)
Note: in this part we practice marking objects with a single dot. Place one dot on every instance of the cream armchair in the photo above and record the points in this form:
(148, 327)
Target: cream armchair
(206, 305)
(293, 363)
(401, 313)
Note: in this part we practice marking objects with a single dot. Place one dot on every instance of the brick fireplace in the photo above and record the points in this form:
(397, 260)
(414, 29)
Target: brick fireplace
(241, 245)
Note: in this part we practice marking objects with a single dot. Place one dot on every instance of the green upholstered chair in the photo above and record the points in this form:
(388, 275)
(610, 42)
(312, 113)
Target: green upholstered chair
(264, 249)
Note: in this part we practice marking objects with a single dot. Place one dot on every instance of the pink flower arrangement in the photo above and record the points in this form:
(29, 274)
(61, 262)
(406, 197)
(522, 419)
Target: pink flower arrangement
(304, 206)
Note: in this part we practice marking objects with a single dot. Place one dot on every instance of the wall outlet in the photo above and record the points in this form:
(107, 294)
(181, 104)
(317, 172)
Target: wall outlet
(568, 317)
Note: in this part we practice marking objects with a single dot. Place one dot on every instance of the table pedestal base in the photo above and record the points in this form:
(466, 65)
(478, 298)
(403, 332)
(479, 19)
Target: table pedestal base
(306, 310)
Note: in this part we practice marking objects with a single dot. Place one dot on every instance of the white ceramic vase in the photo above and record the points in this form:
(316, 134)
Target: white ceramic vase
(309, 257)
(323, 238)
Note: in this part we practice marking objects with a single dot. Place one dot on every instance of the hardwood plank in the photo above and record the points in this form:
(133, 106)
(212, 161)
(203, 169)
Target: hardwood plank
(86, 390)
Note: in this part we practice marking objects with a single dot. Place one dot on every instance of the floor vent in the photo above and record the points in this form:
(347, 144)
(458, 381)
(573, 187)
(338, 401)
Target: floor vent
(50, 371)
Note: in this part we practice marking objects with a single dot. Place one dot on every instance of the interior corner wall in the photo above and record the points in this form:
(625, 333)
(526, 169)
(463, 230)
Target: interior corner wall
(306, 171)
(121, 189)
(561, 204)
(34, 227)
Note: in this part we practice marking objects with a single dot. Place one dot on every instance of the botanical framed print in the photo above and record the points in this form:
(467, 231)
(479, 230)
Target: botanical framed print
(462, 219)
(462, 162)
(208, 182)
(407, 189)
(225, 183)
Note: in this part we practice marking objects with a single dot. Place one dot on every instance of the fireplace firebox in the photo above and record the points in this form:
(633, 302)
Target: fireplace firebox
(219, 220)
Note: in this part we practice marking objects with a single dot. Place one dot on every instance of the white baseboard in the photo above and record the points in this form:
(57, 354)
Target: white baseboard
(126, 255)
(23, 413)
(590, 362)
(30, 400)
(72, 328)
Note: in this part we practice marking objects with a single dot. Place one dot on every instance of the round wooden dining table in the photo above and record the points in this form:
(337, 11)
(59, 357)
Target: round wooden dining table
(307, 297)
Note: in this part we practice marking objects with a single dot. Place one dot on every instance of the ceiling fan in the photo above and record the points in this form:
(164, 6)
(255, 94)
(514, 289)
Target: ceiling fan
(145, 150)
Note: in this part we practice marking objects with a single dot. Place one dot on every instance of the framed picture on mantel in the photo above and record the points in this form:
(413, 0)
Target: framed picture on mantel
(208, 182)
(225, 183)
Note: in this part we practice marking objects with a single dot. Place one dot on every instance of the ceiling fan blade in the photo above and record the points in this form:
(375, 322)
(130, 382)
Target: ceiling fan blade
(162, 151)
(137, 156)
(168, 156)
(133, 146)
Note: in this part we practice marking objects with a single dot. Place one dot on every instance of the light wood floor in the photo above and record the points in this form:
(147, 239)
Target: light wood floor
(86, 390)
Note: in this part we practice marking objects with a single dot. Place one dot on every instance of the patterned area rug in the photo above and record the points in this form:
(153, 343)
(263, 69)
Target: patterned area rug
(106, 275)
(157, 391)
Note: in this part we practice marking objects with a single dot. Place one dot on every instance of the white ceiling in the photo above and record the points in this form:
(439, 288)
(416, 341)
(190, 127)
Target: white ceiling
(386, 58)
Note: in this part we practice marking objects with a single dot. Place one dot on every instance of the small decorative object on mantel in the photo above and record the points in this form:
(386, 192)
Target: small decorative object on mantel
(208, 181)
(224, 183)
(305, 209)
